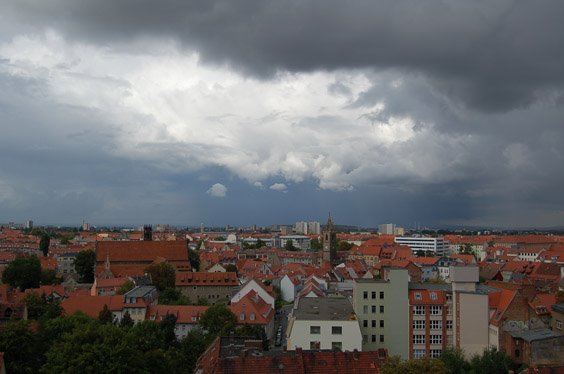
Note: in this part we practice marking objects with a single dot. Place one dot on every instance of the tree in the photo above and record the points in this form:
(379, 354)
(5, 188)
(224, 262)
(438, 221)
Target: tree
(492, 361)
(39, 308)
(44, 243)
(172, 296)
(49, 276)
(454, 361)
(126, 287)
(202, 302)
(23, 272)
(344, 245)
(126, 320)
(106, 316)
(191, 347)
(163, 275)
(194, 258)
(231, 268)
(167, 326)
(21, 348)
(289, 246)
(218, 318)
(84, 263)
(316, 244)
(426, 365)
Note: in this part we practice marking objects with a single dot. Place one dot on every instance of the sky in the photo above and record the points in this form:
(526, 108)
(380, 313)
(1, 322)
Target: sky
(442, 112)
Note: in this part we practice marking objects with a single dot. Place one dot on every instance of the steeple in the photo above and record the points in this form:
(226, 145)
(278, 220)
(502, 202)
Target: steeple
(329, 242)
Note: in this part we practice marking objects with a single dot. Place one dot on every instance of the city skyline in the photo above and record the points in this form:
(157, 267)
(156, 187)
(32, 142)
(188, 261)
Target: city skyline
(447, 113)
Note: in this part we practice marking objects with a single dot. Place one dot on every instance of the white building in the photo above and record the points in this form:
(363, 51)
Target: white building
(438, 246)
(324, 323)
(387, 229)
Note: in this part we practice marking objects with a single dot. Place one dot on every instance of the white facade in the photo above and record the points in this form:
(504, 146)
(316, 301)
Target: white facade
(438, 246)
(287, 288)
(387, 229)
(307, 334)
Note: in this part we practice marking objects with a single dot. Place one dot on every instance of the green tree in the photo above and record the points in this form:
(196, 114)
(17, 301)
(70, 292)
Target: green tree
(426, 365)
(191, 347)
(231, 268)
(202, 302)
(289, 246)
(172, 296)
(126, 320)
(44, 243)
(316, 244)
(194, 258)
(105, 316)
(343, 245)
(492, 361)
(49, 276)
(84, 263)
(454, 361)
(163, 275)
(23, 272)
(218, 319)
(39, 308)
(126, 287)
(21, 347)
(96, 348)
(167, 326)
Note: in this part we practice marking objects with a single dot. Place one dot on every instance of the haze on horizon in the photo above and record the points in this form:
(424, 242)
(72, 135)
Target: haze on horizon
(254, 111)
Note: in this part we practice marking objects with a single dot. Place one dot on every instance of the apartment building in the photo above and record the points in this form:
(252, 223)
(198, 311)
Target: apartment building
(381, 306)
(438, 246)
(323, 323)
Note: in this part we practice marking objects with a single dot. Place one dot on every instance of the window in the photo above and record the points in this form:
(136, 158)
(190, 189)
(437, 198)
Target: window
(418, 339)
(365, 309)
(315, 329)
(418, 353)
(436, 310)
(419, 310)
(242, 316)
(436, 325)
(436, 339)
(433, 296)
(419, 325)
(381, 308)
(336, 330)
(373, 294)
(365, 338)
(373, 338)
(449, 296)
(436, 353)
(373, 323)
(373, 308)
(381, 294)
(382, 323)
(381, 338)
(558, 324)
(418, 296)
(336, 346)
(365, 323)
(365, 295)
(449, 325)
(252, 317)
(314, 345)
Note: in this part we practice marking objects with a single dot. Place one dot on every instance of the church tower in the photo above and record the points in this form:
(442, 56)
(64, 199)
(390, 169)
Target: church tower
(329, 242)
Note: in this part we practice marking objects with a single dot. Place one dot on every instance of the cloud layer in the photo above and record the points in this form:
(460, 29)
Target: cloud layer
(458, 105)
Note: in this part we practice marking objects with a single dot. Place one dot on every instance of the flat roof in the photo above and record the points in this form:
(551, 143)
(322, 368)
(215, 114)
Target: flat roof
(324, 308)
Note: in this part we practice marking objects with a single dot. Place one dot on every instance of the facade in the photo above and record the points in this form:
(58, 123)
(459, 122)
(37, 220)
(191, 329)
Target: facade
(216, 288)
(136, 302)
(438, 246)
(382, 309)
(301, 242)
(324, 323)
(557, 322)
(65, 264)
(387, 229)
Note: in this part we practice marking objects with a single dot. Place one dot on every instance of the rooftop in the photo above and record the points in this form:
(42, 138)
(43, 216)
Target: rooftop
(334, 309)
(533, 335)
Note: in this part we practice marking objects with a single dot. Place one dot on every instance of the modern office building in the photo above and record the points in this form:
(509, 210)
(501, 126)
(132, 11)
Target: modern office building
(438, 246)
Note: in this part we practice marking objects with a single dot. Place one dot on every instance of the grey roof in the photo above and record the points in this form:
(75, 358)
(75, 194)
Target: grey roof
(319, 309)
(532, 335)
(140, 291)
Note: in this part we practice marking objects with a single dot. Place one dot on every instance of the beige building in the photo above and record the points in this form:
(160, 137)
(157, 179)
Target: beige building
(216, 288)
(382, 309)
(323, 323)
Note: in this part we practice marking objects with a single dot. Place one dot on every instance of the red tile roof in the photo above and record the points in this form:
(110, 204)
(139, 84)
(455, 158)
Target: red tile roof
(91, 305)
(142, 251)
(206, 279)
(185, 314)
(252, 309)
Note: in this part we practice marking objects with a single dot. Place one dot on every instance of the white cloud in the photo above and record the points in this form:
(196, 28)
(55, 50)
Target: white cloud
(217, 190)
(279, 187)
(258, 185)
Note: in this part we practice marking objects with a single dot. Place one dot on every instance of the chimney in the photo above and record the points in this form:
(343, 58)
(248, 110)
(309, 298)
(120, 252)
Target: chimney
(147, 233)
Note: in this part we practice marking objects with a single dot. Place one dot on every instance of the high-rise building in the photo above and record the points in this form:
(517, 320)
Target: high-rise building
(313, 228)
(29, 224)
(387, 229)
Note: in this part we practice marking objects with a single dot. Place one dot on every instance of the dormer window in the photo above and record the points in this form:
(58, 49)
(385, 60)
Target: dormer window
(242, 316)
(418, 296)
(252, 317)
(433, 296)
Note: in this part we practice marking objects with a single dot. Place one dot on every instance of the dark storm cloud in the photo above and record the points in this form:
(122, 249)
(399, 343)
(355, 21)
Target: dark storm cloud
(491, 55)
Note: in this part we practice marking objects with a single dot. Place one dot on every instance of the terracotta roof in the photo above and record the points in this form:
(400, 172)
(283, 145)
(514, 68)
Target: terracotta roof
(424, 260)
(91, 305)
(185, 314)
(146, 251)
(206, 279)
(252, 309)
(500, 303)
(467, 259)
